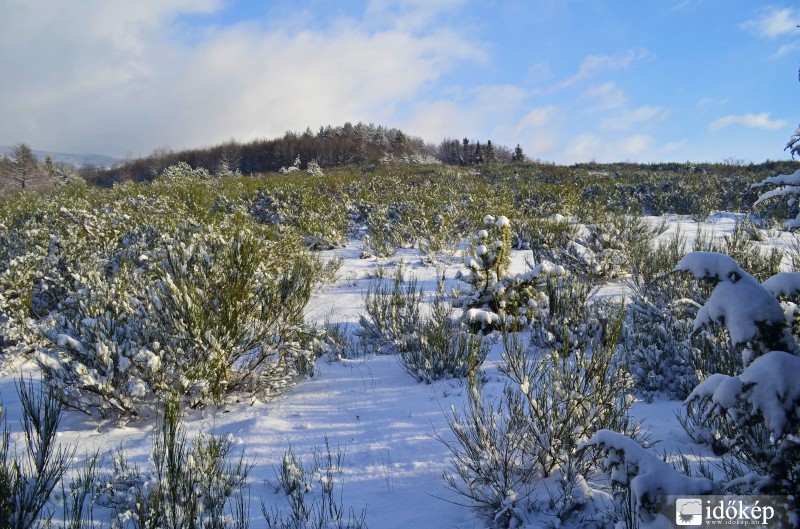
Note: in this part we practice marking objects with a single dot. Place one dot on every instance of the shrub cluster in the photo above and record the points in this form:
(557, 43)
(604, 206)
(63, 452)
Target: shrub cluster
(150, 294)
(430, 346)
(519, 460)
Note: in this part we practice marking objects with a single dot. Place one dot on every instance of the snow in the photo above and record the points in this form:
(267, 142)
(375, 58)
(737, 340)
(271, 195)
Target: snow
(738, 300)
(653, 477)
(783, 284)
(770, 384)
(386, 423)
(780, 180)
(712, 266)
(775, 390)
(740, 306)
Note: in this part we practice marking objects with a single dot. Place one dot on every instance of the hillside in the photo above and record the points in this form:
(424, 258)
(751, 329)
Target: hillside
(77, 160)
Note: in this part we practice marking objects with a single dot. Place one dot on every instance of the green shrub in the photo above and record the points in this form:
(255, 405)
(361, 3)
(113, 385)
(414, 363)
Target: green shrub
(311, 493)
(497, 300)
(28, 481)
(444, 349)
(522, 455)
(393, 320)
(191, 485)
(217, 315)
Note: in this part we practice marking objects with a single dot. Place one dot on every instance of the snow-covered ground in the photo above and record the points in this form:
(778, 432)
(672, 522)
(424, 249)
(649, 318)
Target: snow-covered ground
(385, 422)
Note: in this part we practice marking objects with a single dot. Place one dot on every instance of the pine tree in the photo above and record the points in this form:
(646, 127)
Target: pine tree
(489, 156)
(24, 167)
(478, 156)
(518, 155)
(466, 153)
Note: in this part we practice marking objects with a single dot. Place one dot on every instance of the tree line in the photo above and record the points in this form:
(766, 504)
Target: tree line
(359, 144)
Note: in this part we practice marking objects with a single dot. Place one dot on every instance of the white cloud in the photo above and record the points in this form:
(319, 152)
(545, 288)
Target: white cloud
(538, 118)
(501, 113)
(607, 96)
(636, 146)
(773, 22)
(613, 103)
(786, 49)
(672, 146)
(117, 76)
(582, 148)
(757, 121)
(594, 64)
(626, 119)
(685, 5)
(409, 15)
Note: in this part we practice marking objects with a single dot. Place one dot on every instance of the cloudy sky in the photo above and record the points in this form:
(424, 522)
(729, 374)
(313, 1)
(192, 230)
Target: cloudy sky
(569, 80)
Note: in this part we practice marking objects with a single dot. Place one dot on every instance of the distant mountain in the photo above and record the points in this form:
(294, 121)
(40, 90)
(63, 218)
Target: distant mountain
(78, 160)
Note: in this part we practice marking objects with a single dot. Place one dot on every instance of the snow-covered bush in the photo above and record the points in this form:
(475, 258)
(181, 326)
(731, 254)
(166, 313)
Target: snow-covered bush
(781, 187)
(214, 315)
(519, 460)
(602, 248)
(197, 483)
(233, 309)
(641, 481)
(666, 353)
(445, 349)
(497, 299)
(744, 245)
(314, 493)
(393, 315)
(793, 145)
(293, 168)
(751, 314)
(761, 411)
(319, 221)
(756, 413)
(314, 169)
(185, 171)
(566, 320)
(657, 338)
(28, 480)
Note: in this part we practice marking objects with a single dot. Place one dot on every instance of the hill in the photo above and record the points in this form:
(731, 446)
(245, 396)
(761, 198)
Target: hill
(78, 160)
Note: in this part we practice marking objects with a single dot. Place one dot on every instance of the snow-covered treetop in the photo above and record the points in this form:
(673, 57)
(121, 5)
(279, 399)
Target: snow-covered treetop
(782, 184)
(783, 284)
(780, 180)
(712, 266)
(773, 389)
(739, 301)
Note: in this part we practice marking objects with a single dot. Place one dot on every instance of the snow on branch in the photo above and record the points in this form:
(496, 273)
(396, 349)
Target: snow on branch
(747, 309)
(783, 284)
(771, 389)
(649, 477)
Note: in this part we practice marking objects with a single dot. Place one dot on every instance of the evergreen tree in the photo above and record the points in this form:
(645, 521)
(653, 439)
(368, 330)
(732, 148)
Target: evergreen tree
(466, 153)
(488, 155)
(518, 155)
(24, 167)
(478, 156)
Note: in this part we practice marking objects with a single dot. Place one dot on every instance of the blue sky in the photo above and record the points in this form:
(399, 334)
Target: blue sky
(569, 80)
